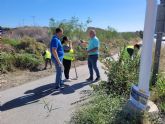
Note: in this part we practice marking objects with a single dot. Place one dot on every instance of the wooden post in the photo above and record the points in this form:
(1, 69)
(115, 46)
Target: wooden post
(160, 29)
(157, 58)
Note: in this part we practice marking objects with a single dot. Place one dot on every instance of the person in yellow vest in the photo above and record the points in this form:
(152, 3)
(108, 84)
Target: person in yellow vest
(68, 57)
(47, 58)
(131, 51)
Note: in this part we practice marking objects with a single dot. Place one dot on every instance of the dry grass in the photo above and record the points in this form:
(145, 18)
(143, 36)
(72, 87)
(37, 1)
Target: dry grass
(162, 60)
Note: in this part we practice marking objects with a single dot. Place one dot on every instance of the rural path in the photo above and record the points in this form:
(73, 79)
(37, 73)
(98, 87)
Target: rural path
(38, 103)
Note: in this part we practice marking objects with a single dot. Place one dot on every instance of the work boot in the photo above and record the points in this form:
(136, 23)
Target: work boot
(97, 79)
(89, 79)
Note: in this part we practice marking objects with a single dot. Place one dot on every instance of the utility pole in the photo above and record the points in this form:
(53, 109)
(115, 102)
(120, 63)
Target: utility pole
(140, 94)
(160, 29)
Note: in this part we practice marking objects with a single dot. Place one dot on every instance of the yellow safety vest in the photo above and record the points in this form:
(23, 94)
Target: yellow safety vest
(126, 54)
(47, 55)
(132, 47)
(69, 55)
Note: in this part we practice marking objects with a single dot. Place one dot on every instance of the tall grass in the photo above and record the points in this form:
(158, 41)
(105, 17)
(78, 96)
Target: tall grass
(162, 60)
(6, 62)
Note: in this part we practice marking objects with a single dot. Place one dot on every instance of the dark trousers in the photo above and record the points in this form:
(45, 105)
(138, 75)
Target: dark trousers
(92, 65)
(67, 66)
(48, 61)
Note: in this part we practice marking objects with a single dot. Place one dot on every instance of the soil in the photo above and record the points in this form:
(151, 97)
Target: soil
(19, 77)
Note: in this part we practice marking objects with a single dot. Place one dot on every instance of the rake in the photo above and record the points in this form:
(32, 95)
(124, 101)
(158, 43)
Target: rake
(76, 78)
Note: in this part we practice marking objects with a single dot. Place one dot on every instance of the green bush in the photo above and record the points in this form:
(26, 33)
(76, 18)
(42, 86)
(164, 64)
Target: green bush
(121, 74)
(27, 61)
(106, 109)
(24, 54)
(161, 86)
(23, 61)
(12, 42)
(30, 45)
(6, 62)
(108, 105)
(159, 93)
(102, 109)
(80, 53)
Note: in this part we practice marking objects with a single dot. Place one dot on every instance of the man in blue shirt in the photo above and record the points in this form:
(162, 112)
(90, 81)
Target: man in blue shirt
(93, 53)
(57, 54)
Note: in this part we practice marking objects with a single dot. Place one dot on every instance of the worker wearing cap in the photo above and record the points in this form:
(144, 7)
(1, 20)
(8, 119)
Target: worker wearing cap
(131, 51)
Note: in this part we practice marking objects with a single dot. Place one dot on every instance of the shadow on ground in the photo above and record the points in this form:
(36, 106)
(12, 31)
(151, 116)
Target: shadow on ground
(34, 95)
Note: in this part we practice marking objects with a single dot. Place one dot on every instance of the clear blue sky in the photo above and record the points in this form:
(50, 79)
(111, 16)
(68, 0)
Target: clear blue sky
(123, 15)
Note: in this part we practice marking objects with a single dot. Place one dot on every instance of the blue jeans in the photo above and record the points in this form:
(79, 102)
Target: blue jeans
(92, 65)
(59, 71)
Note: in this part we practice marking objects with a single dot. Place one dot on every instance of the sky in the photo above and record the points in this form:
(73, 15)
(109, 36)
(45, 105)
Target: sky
(123, 15)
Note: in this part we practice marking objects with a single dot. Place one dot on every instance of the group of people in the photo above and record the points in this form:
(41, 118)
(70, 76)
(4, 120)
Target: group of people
(62, 54)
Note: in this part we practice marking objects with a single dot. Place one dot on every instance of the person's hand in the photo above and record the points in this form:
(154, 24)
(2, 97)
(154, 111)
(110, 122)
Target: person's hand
(60, 64)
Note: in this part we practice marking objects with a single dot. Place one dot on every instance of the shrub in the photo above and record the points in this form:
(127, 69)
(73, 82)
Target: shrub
(159, 93)
(24, 54)
(80, 52)
(23, 61)
(107, 109)
(6, 48)
(11, 42)
(28, 61)
(121, 74)
(6, 60)
(30, 45)
(102, 109)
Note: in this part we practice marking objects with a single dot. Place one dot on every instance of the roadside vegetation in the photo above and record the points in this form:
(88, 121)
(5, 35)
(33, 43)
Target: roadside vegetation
(22, 54)
(162, 61)
(108, 103)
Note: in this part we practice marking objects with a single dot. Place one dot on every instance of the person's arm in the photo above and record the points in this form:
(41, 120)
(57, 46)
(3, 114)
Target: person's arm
(93, 50)
(54, 51)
